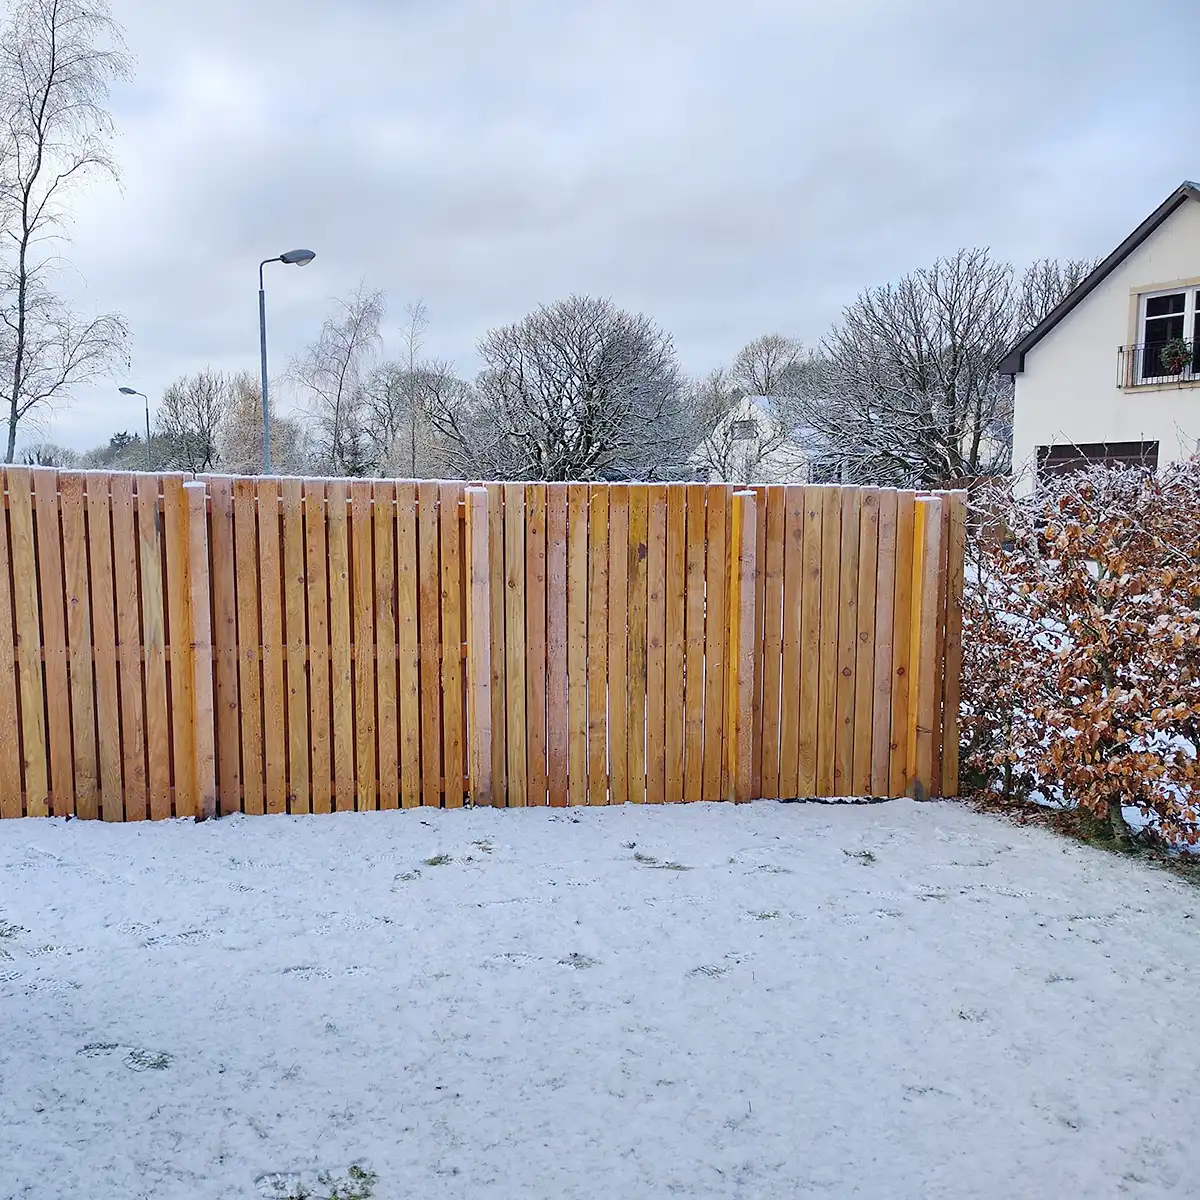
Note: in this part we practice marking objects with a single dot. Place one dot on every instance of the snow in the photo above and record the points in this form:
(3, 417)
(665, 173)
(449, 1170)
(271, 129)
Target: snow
(892, 1000)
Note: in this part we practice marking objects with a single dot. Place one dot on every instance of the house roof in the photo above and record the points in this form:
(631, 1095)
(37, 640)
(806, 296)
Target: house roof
(1013, 363)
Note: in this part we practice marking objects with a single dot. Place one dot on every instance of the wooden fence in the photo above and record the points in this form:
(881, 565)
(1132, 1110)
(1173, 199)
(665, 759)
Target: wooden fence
(175, 647)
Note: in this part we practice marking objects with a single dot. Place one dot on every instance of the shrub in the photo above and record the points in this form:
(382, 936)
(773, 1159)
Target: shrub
(1082, 645)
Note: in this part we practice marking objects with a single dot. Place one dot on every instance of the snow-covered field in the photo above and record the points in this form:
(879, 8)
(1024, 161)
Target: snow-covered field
(771, 1001)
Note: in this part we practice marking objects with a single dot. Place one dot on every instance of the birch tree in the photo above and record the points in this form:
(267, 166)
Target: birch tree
(189, 420)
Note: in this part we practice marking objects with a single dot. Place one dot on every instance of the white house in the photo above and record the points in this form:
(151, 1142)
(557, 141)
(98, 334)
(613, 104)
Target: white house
(754, 443)
(1113, 373)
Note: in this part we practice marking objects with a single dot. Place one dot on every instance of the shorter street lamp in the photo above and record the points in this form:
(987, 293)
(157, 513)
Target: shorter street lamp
(293, 258)
(128, 391)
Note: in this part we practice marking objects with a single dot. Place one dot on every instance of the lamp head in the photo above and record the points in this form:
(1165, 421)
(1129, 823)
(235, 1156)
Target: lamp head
(297, 258)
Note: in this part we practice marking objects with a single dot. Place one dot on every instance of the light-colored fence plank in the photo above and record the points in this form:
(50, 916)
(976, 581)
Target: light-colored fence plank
(843, 766)
(557, 753)
(639, 512)
(898, 767)
(924, 673)
(383, 495)
(812, 589)
(953, 659)
(429, 593)
(864, 683)
(885, 599)
(618, 643)
(362, 567)
(514, 642)
(827, 685)
(79, 636)
(11, 785)
(337, 500)
(204, 725)
(760, 600)
(577, 601)
(676, 575)
(479, 649)
(499, 653)
(320, 722)
(54, 641)
(104, 639)
(408, 648)
(249, 636)
(274, 649)
(740, 603)
(295, 580)
(129, 648)
(693, 658)
(454, 730)
(714, 643)
(535, 641)
(771, 568)
(597, 655)
(791, 586)
(179, 617)
(656, 650)
(224, 585)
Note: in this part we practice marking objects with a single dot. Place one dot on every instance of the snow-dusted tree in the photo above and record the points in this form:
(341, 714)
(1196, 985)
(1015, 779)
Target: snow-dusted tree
(331, 375)
(189, 420)
(772, 365)
(57, 60)
(1044, 284)
(577, 390)
(123, 451)
(403, 440)
(49, 454)
(240, 437)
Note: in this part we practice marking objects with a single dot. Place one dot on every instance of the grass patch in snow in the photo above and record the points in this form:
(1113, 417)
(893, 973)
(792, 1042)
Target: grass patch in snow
(438, 860)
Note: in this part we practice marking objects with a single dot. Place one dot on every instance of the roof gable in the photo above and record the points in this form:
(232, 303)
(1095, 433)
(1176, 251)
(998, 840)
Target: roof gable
(1013, 363)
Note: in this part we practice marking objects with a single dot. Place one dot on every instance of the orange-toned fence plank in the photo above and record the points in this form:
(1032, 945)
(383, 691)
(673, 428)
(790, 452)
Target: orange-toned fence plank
(656, 650)
(129, 648)
(384, 497)
(925, 680)
(499, 655)
(270, 567)
(429, 590)
(11, 804)
(337, 500)
(249, 637)
(618, 643)
(514, 641)
(638, 552)
(597, 637)
(535, 641)
(79, 635)
(408, 645)
(898, 768)
(577, 600)
(760, 600)
(714, 643)
(556, 643)
(179, 630)
(771, 569)
(104, 639)
(676, 575)
(827, 686)
(320, 724)
(739, 648)
(885, 598)
(454, 729)
(864, 683)
(225, 642)
(479, 649)
(790, 550)
(953, 648)
(203, 738)
(847, 641)
(295, 579)
(812, 589)
(362, 566)
(693, 657)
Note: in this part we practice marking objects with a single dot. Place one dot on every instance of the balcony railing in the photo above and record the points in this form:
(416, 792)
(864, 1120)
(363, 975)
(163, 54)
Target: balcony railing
(1146, 365)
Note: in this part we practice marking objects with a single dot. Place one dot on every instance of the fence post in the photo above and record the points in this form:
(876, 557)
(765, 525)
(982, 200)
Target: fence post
(204, 738)
(739, 650)
(924, 669)
(479, 649)
(954, 648)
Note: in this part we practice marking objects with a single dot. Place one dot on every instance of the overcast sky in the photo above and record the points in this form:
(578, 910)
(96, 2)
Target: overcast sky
(730, 167)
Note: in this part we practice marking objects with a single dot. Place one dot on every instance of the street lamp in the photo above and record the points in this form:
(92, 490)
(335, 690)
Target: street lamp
(128, 391)
(293, 258)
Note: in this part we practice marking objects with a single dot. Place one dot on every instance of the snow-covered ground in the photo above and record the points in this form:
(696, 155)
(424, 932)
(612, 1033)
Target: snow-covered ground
(877, 1001)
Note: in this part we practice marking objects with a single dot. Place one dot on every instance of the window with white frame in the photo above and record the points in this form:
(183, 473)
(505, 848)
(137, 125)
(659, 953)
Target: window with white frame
(1169, 332)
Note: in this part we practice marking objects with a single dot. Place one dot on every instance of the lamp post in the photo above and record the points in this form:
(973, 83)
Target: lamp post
(293, 258)
(128, 391)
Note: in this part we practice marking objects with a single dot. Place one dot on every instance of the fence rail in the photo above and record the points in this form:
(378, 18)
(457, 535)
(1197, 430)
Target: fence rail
(176, 648)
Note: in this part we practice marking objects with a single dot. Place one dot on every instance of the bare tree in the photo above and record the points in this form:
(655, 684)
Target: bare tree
(189, 420)
(772, 365)
(332, 373)
(240, 436)
(1045, 283)
(48, 454)
(57, 60)
(576, 390)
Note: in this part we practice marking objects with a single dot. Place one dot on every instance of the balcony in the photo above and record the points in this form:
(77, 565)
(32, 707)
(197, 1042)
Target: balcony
(1153, 365)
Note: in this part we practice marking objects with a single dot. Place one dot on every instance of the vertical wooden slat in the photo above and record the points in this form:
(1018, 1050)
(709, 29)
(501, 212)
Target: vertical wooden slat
(204, 726)
(935, 786)
(177, 536)
(10, 744)
(898, 766)
(362, 567)
(104, 639)
(229, 758)
(827, 687)
(810, 640)
(454, 734)
(638, 627)
(270, 568)
(676, 575)
(79, 635)
(791, 552)
(320, 727)
(693, 667)
(249, 636)
(129, 648)
(771, 568)
(760, 599)
(556, 643)
(295, 582)
(429, 588)
(535, 641)
(514, 641)
(714, 642)
(923, 673)
(597, 635)
(656, 637)
(577, 601)
(739, 648)
(864, 682)
(885, 599)
(843, 767)
(384, 497)
(54, 640)
(29, 643)
(408, 645)
(499, 654)
(953, 652)
(618, 643)
(479, 649)
(340, 635)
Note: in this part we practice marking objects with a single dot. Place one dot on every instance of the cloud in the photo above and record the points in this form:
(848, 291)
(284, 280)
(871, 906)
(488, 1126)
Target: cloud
(729, 169)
